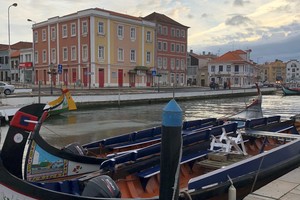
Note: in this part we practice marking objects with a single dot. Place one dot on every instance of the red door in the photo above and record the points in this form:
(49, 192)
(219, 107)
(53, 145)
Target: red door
(120, 77)
(45, 77)
(74, 76)
(101, 78)
(65, 77)
(85, 75)
(36, 77)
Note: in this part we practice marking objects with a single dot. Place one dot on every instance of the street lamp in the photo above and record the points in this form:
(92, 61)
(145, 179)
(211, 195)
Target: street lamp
(51, 72)
(33, 56)
(9, 64)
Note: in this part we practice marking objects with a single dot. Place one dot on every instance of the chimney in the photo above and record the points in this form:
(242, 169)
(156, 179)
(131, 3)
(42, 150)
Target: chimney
(203, 52)
(191, 51)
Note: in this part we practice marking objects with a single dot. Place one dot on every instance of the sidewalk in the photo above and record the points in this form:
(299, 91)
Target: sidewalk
(287, 187)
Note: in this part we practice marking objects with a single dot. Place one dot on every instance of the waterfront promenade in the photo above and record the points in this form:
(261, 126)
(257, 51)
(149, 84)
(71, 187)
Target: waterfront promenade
(115, 96)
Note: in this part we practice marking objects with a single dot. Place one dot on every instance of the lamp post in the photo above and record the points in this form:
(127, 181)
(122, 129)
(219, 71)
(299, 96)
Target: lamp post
(33, 52)
(51, 72)
(9, 64)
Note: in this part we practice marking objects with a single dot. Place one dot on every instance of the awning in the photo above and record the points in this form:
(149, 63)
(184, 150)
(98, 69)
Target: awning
(25, 65)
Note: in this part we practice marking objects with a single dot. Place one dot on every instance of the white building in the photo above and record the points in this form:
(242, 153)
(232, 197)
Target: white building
(233, 68)
(293, 71)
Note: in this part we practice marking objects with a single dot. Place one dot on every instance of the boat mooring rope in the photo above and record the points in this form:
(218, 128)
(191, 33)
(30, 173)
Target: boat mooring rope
(256, 175)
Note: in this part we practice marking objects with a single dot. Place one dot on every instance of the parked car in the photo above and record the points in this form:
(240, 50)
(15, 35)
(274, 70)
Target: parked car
(6, 88)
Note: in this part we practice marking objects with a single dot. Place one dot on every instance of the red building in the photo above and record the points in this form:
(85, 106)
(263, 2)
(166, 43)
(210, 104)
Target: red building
(171, 50)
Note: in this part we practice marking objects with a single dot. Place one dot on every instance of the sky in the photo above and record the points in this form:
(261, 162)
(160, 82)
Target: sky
(270, 28)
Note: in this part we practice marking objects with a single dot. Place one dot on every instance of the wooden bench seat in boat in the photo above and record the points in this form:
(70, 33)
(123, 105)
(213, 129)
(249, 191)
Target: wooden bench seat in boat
(188, 139)
(146, 136)
(268, 134)
(259, 122)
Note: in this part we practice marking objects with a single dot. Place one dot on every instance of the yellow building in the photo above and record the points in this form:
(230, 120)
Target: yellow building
(96, 48)
(274, 71)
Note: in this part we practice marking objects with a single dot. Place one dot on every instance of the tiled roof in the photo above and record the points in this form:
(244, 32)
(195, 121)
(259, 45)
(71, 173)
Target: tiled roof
(119, 14)
(3, 47)
(21, 45)
(15, 54)
(157, 17)
(231, 56)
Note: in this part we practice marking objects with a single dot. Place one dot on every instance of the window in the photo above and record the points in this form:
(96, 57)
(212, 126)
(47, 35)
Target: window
(53, 33)
(213, 68)
(132, 55)
(84, 28)
(100, 28)
(177, 33)
(177, 48)
(120, 31)
(173, 32)
(65, 53)
(172, 78)
(159, 46)
(73, 53)
(236, 69)
(101, 52)
(165, 30)
(148, 36)
(84, 52)
(228, 68)
(148, 57)
(35, 37)
(172, 63)
(182, 64)
(220, 68)
(165, 62)
(53, 55)
(182, 33)
(44, 56)
(165, 48)
(73, 29)
(44, 37)
(177, 64)
(159, 29)
(173, 47)
(120, 54)
(159, 62)
(182, 48)
(64, 31)
(132, 33)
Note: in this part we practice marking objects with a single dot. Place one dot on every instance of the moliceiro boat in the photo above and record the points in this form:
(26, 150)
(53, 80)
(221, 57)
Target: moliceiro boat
(212, 160)
(290, 91)
(63, 103)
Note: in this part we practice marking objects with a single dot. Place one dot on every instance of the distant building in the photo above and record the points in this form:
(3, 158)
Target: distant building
(293, 71)
(197, 68)
(273, 72)
(171, 47)
(11, 73)
(233, 68)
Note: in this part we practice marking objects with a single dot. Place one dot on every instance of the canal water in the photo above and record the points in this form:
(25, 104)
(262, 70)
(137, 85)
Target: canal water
(88, 125)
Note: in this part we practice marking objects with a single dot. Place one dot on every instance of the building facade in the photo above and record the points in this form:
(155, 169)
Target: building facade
(11, 72)
(293, 71)
(233, 69)
(197, 68)
(171, 50)
(273, 72)
(96, 48)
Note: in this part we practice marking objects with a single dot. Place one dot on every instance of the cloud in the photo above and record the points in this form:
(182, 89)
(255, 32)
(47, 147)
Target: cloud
(240, 2)
(238, 20)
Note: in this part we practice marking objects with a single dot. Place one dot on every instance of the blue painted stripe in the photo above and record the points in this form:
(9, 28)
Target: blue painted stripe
(172, 115)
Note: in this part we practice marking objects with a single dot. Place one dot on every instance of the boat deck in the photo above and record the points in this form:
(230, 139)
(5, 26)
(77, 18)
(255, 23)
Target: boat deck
(281, 136)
